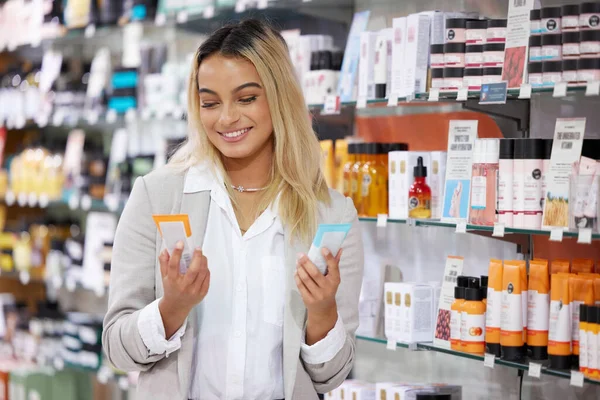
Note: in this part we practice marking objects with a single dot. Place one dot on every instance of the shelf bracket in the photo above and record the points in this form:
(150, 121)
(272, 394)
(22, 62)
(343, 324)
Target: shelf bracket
(514, 109)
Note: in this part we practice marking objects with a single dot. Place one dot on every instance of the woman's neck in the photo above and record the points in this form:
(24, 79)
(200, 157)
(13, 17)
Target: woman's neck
(252, 172)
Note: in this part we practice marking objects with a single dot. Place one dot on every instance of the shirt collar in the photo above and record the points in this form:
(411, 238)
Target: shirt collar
(200, 178)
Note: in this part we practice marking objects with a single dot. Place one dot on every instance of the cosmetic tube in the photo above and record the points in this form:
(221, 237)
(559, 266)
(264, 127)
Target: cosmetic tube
(493, 315)
(582, 265)
(583, 339)
(560, 266)
(473, 322)
(505, 182)
(581, 290)
(455, 312)
(559, 334)
(593, 326)
(538, 309)
(511, 335)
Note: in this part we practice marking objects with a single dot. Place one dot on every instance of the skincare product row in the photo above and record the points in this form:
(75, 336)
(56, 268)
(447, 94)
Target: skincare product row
(575, 72)
(568, 18)
(359, 390)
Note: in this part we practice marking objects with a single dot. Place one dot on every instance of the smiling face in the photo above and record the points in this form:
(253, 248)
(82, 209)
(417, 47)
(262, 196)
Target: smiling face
(233, 107)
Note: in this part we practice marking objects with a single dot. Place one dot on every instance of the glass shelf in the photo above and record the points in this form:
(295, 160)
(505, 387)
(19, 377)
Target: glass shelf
(498, 361)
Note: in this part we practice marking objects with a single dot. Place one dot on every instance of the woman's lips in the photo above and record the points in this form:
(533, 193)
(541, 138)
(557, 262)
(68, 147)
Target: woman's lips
(235, 136)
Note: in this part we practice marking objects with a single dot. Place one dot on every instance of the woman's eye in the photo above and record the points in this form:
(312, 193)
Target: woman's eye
(248, 100)
(208, 105)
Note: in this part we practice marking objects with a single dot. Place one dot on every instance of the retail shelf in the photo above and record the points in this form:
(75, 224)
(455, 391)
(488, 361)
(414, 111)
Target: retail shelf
(389, 221)
(498, 361)
(81, 204)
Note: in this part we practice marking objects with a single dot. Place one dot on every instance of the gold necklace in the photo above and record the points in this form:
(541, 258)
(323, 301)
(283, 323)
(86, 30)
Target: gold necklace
(242, 189)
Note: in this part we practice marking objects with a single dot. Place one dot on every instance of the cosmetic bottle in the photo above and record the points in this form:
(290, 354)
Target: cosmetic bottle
(559, 334)
(511, 336)
(505, 182)
(583, 339)
(538, 309)
(355, 181)
(494, 308)
(593, 330)
(374, 182)
(484, 288)
(490, 167)
(478, 184)
(532, 183)
(545, 169)
(473, 322)
(347, 169)
(419, 202)
(456, 312)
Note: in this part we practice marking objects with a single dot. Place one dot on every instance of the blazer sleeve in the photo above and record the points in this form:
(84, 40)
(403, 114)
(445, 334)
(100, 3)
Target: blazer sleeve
(132, 283)
(329, 375)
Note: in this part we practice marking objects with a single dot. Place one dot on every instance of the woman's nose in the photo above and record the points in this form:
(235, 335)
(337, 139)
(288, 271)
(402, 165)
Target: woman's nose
(229, 115)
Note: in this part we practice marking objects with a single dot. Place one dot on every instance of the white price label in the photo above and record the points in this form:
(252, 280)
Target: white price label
(112, 203)
(58, 118)
(74, 202)
(36, 41)
(71, 284)
(556, 235)
(498, 230)
(146, 114)
(57, 281)
(434, 94)
(463, 94)
(584, 236)
(100, 290)
(90, 31)
(102, 375)
(361, 102)
(9, 198)
(160, 20)
(593, 88)
(124, 383)
(44, 200)
(240, 6)
(209, 12)
(20, 121)
(182, 17)
(131, 115)
(391, 345)
(24, 277)
(382, 220)
(560, 89)
(86, 202)
(525, 92)
(461, 227)
(332, 105)
(262, 4)
(576, 378)
(92, 117)
(59, 363)
(22, 199)
(111, 116)
(32, 199)
(392, 100)
(412, 346)
(489, 360)
(535, 370)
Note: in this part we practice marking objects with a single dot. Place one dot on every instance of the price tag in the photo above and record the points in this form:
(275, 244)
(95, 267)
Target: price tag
(382, 220)
(124, 383)
(160, 20)
(42, 120)
(498, 230)
(130, 115)
(361, 102)
(208, 12)
(146, 114)
(9, 198)
(535, 370)
(58, 118)
(556, 235)
(36, 328)
(22, 199)
(57, 281)
(584, 236)
(262, 4)
(576, 378)
(20, 121)
(489, 360)
(112, 203)
(71, 284)
(32, 199)
(434, 94)
(36, 41)
(593, 88)
(44, 200)
(111, 116)
(86, 202)
(560, 89)
(90, 31)
(391, 345)
(59, 363)
(100, 291)
(240, 6)
(525, 92)
(461, 227)
(24, 277)
(332, 105)
(463, 94)
(393, 100)
(102, 375)
(412, 346)
(74, 202)
(92, 117)
(182, 17)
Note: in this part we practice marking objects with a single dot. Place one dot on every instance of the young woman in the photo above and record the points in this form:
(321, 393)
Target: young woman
(252, 318)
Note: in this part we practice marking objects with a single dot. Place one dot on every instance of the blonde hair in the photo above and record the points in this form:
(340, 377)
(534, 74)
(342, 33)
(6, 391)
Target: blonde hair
(296, 172)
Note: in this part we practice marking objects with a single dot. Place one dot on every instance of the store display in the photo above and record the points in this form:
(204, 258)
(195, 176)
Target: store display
(589, 15)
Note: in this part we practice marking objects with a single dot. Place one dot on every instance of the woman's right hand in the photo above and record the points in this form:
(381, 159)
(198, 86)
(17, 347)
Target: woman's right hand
(182, 292)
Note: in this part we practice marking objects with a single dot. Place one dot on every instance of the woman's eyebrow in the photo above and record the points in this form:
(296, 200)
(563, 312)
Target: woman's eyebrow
(237, 89)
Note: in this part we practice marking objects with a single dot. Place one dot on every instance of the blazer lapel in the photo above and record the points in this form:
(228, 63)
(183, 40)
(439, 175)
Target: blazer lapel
(294, 317)
(196, 206)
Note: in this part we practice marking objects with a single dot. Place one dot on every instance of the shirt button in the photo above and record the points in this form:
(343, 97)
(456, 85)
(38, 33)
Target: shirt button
(238, 334)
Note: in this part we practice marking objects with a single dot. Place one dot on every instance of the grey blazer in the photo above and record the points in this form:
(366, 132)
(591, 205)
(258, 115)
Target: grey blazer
(135, 282)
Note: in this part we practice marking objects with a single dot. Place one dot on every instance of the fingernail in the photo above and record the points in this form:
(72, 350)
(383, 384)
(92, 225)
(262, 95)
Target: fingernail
(325, 252)
(199, 249)
(163, 253)
(299, 256)
(179, 245)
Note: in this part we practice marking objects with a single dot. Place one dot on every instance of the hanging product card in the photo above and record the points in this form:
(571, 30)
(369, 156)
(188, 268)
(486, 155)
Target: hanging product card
(349, 72)
(566, 151)
(517, 43)
(454, 268)
(461, 139)
(100, 229)
(494, 93)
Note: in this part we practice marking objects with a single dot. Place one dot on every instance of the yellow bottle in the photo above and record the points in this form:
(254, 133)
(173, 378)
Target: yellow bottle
(347, 170)
(355, 175)
(328, 162)
(374, 182)
(341, 156)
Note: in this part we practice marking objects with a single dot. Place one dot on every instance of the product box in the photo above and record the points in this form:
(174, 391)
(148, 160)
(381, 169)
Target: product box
(366, 62)
(435, 179)
(317, 85)
(417, 313)
(411, 392)
(382, 390)
(397, 61)
(400, 177)
(361, 391)
(393, 320)
(347, 82)
(416, 57)
(382, 74)
(438, 23)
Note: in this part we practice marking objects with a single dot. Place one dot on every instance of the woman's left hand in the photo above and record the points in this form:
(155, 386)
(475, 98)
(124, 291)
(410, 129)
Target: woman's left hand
(318, 293)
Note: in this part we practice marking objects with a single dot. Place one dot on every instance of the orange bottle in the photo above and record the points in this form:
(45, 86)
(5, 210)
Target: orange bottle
(473, 322)
(456, 312)
(511, 324)
(347, 169)
(493, 313)
(374, 182)
(355, 175)
(538, 309)
(559, 334)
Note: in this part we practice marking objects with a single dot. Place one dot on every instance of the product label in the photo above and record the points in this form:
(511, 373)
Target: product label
(593, 351)
(473, 328)
(366, 182)
(453, 59)
(583, 349)
(455, 326)
(437, 60)
(538, 311)
(570, 49)
(493, 58)
(552, 53)
(551, 25)
(474, 60)
(569, 76)
(476, 36)
(512, 308)
(589, 47)
(535, 54)
(536, 80)
(570, 22)
(589, 20)
(560, 322)
(353, 185)
(505, 187)
(536, 27)
(588, 75)
(478, 192)
(518, 188)
(472, 82)
(496, 35)
(450, 34)
(493, 314)
(575, 321)
(532, 189)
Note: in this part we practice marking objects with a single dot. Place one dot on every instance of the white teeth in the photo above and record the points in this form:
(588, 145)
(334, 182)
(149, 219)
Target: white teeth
(235, 133)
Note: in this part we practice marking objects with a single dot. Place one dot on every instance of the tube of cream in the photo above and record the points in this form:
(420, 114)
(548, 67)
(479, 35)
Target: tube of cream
(538, 309)
(581, 290)
(590, 206)
(559, 335)
(330, 236)
(560, 265)
(582, 265)
(175, 228)
(511, 335)
(524, 297)
(493, 315)
(597, 291)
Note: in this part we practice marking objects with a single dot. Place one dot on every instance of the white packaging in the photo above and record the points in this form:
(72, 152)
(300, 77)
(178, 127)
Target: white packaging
(400, 177)
(318, 85)
(416, 58)
(398, 51)
(383, 63)
(437, 21)
(393, 322)
(435, 179)
(417, 313)
(410, 392)
(366, 62)
(389, 312)
(362, 391)
(382, 390)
